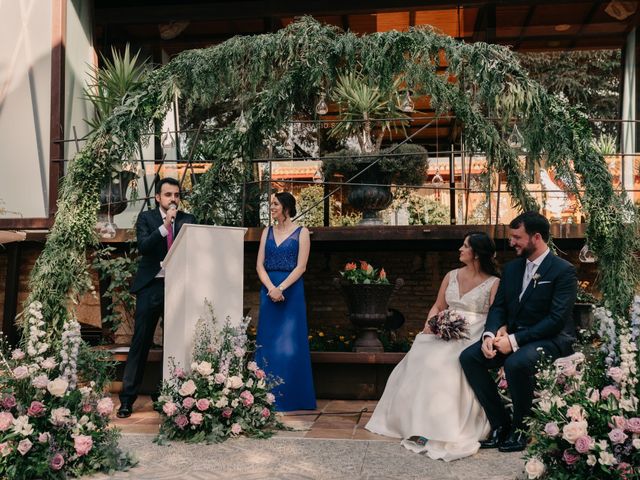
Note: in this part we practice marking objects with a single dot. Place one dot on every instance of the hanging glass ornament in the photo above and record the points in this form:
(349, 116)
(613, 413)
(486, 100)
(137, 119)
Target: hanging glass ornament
(407, 104)
(515, 140)
(166, 140)
(322, 108)
(241, 124)
(437, 178)
(586, 255)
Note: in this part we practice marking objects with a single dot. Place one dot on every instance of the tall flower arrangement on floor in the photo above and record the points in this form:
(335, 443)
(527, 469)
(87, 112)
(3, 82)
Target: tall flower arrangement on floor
(223, 394)
(586, 423)
(53, 423)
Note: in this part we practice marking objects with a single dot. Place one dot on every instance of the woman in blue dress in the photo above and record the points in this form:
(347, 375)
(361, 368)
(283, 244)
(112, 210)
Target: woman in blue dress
(283, 345)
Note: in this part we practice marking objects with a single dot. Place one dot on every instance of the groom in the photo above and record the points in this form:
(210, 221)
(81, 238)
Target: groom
(531, 313)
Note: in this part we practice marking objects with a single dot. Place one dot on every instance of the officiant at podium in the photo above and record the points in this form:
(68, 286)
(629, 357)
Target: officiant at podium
(156, 229)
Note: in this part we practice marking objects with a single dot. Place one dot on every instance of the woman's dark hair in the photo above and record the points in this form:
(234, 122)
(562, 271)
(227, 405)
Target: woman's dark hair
(288, 203)
(484, 248)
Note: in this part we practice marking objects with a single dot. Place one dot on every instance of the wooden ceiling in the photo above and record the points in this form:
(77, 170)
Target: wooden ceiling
(525, 25)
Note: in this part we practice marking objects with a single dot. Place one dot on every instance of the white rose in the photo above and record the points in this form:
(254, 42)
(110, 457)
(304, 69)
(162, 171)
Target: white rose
(204, 369)
(574, 430)
(234, 403)
(591, 460)
(636, 443)
(188, 388)
(58, 387)
(534, 468)
(234, 382)
(249, 383)
(223, 402)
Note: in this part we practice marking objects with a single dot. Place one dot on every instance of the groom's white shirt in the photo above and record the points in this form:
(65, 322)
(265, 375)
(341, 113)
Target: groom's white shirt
(533, 265)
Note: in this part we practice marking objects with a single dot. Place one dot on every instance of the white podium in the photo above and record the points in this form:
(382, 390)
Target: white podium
(204, 263)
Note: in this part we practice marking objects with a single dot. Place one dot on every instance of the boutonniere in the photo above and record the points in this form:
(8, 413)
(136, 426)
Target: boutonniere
(535, 278)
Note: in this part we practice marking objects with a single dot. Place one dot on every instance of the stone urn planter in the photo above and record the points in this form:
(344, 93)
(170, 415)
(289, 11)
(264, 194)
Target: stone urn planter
(368, 306)
(370, 199)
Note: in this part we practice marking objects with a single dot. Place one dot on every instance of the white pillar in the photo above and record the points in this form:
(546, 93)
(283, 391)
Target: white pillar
(629, 114)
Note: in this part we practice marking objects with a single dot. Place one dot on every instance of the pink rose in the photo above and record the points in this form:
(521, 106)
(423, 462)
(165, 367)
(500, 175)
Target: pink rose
(584, 444)
(252, 366)
(626, 470)
(24, 446)
(503, 384)
(87, 408)
(270, 398)
(20, 372)
(266, 413)
(5, 449)
(188, 403)
(57, 462)
(236, 429)
(260, 374)
(195, 418)
(227, 412)
(6, 421)
(44, 437)
(219, 378)
(105, 406)
(569, 457)
(239, 352)
(36, 409)
(616, 374)
(247, 398)
(202, 404)
(83, 444)
(551, 429)
(618, 421)
(576, 412)
(617, 436)
(610, 390)
(41, 381)
(17, 354)
(169, 409)
(9, 402)
(633, 425)
(181, 421)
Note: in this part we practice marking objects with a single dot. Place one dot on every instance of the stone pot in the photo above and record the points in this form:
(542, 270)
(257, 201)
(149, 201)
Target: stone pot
(113, 195)
(370, 200)
(368, 306)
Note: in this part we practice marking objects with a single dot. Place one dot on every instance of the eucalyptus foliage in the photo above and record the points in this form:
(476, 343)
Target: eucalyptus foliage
(273, 77)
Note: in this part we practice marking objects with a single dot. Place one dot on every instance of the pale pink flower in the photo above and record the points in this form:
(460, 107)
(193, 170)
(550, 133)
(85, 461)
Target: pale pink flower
(87, 408)
(83, 444)
(36, 409)
(202, 404)
(41, 381)
(20, 372)
(576, 412)
(266, 413)
(239, 352)
(57, 462)
(616, 374)
(270, 398)
(626, 471)
(247, 398)
(551, 429)
(219, 378)
(179, 373)
(252, 366)
(5, 449)
(44, 437)
(234, 382)
(617, 436)
(17, 354)
(503, 384)
(610, 390)
(593, 395)
(9, 402)
(6, 421)
(181, 421)
(260, 374)
(534, 468)
(188, 403)
(584, 444)
(195, 418)
(58, 387)
(24, 446)
(574, 430)
(204, 369)
(227, 412)
(569, 457)
(236, 429)
(187, 389)
(169, 409)
(633, 425)
(618, 421)
(60, 416)
(48, 363)
(105, 406)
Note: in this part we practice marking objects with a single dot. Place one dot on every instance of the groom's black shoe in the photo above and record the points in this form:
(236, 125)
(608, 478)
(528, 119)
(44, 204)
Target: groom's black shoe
(496, 437)
(515, 442)
(124, 411)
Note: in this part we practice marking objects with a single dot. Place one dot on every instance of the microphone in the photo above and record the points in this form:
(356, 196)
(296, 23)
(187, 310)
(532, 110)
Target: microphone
(173, 206)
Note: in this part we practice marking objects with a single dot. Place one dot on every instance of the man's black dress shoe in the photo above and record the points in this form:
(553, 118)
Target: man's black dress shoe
(124, 411)
(496, 437)
(515, 442)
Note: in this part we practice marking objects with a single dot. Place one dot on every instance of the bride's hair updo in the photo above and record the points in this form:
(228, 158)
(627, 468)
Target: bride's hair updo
(485, 251)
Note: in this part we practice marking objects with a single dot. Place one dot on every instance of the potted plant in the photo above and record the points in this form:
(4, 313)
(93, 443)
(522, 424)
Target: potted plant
(367, 292)
(364, 113)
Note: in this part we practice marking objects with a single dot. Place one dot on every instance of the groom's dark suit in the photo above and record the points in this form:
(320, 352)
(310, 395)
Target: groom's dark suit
(149, 290)
(540, 319)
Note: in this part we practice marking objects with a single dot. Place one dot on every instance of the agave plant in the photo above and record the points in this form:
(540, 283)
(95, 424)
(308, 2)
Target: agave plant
(109, 84)
(360, 104)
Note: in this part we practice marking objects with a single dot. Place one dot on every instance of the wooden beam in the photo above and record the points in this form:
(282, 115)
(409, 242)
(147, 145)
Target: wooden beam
(25, 223)
(56, 123)
(527, 21)
(587, 18)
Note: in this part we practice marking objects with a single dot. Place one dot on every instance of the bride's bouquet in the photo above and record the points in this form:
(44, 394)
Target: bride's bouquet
(449, 325)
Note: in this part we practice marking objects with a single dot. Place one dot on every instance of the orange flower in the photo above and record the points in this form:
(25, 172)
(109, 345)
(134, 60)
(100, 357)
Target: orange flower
(350, 266)
(364, 265)
(383, 274)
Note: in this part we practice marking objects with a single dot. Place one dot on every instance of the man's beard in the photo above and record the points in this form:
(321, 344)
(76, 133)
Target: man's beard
(526, 251)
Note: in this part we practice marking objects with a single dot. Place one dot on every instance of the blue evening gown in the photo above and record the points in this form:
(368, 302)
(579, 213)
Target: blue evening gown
(283, 345)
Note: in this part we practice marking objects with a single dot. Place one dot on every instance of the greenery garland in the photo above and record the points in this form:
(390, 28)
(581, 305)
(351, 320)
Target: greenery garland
(274, 76)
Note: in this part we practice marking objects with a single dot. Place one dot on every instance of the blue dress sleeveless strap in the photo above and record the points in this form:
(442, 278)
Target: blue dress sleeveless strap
(283, 345)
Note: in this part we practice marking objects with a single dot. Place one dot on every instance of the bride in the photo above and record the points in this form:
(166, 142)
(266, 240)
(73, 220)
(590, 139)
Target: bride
(427, 401)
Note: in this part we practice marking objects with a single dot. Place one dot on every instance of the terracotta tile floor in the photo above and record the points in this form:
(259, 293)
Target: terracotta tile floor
(332, 419)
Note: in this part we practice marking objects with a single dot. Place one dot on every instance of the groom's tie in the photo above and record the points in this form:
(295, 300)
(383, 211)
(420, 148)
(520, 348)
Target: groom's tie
(528, 273)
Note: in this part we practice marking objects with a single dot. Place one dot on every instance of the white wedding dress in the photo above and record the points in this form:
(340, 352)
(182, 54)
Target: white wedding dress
(427, 394)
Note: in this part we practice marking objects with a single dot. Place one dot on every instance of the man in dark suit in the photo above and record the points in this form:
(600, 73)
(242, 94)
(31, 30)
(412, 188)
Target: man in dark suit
(531, 314)
(156, 230)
